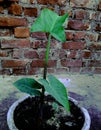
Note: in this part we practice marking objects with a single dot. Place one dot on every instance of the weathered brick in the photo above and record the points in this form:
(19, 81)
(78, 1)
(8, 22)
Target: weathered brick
(14, 63)
(72, 54)
(97, 70)
(11, 21)
(3, 54)
(79, 35)
(30, 11)
(73, 63)
(81, 14)
(94, 63)
(5, 32)
(73, 45)
(42, 54)
(19, 71)
(83, 3)
(78, 25)
(62, 54)
(18, 53)
(96, 46)
(92, 36)
(15, 44)
(69, 35)
(5, 71)
(39, 35)
(40, 63)
(75, 69)
(30, 54)
(15, 9)
(21, 32)
(96, 16)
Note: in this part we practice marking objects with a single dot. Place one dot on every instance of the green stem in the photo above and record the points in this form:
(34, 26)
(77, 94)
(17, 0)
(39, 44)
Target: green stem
(47, 57)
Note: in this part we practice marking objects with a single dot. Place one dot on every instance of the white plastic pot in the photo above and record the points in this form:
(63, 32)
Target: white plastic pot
(10, 119)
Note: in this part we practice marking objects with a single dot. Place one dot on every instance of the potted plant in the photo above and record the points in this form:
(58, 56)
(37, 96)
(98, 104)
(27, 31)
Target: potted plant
(53, 110)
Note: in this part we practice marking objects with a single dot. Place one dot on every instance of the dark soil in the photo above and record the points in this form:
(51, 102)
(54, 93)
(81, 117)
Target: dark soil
(6, 103)
(30, 114)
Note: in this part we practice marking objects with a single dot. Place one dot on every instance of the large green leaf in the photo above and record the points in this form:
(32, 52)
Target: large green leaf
(55, 88)
(29, 86)
(50, 22)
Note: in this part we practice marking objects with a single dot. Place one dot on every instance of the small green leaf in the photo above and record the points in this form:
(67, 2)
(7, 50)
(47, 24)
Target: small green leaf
(50, 22)
(29, 86)
(55, 88)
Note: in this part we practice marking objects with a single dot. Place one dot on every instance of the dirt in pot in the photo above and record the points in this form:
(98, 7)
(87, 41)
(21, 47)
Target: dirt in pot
(28, 115)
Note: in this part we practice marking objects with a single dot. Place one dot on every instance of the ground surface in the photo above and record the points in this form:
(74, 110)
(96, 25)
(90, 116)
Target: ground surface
(84, 88)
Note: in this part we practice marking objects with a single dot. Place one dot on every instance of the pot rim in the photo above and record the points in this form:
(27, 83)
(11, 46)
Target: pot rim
(10, 112)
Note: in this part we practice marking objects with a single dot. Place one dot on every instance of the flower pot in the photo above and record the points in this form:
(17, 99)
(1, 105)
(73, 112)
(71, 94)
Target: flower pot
(10, 114)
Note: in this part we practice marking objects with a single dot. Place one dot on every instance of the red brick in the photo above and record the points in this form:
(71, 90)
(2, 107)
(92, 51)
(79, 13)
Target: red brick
(21, 32)
(30, 11)
(79, 35)
(15, 9)
(11, 21)
(40, 63)
(69, 35)
(98, 27)
(14, 63)
(86, 54)
(73, 45)
(73, 63)
(72, 54)
(19, 71)
(15, 44)
(1, 10)
(39, 35)
(78, 25)
(99, 7)
(81, 14)
(52, 2)
(30, 54)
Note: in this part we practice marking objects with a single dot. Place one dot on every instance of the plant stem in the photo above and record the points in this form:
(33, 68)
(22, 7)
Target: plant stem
(45, 74)
(47, 57)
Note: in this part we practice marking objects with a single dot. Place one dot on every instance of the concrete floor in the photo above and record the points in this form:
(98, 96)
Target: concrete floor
(84, 88)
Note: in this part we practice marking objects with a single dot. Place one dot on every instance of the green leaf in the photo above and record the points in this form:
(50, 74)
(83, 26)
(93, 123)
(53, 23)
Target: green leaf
(29, 86)
(50, 22)
(55, 88)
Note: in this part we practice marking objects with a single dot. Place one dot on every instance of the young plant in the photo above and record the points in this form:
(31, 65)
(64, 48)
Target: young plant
(48, 22)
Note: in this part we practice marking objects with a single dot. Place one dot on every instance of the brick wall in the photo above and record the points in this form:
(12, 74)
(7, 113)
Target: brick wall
(23, 53)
